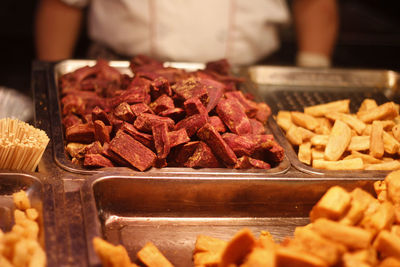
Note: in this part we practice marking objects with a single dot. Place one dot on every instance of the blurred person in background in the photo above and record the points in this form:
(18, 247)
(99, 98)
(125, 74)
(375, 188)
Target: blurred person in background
(241, 31)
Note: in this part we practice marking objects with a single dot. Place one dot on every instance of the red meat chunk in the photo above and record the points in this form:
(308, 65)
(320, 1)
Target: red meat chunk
(108, 153)
(192, 124)
(162, 103)
(70, 120)
(144, 122)
(160, 86)
(178, 137)
(101, 131)
(250, 107)
(231, 112)
(81, 133)
(214, 140)
(263, 112)
(123, 111)
(145, 139)
(176, 114)
(180, 154)
(134, 152)
(161, 140)
(72, 104)
(94, 148)
(246, 162)
(241, 145)
(130, 96)
(194, 106)
(96, 161)
(189, 88)
(202, 157)
(257, 127)
(99, 114)
(140, 108)
(217, 123)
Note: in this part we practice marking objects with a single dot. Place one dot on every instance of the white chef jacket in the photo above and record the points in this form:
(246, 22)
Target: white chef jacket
(243, 31)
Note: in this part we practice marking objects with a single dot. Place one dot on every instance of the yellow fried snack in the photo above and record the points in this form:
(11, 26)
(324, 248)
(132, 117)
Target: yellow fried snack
(347, 229)
(338, 141)
(20, 246)
(152, 257)
(110, 255)
(374, 133)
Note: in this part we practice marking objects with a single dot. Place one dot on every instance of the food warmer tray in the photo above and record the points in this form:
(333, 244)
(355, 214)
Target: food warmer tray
(52, 71)
(41, 195)
(133, 210)
(292, 88)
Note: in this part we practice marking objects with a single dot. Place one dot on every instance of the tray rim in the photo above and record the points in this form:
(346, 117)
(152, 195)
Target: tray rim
(60, 156)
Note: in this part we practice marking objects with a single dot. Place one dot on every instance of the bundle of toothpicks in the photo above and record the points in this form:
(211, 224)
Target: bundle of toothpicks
(21, 145)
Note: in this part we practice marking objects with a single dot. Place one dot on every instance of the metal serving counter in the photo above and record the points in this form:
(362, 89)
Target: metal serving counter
(171, 206)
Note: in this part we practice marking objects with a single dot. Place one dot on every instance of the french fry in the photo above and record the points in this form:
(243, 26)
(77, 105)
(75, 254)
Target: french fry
(323, 109)
(332, 205)
(359, 143)
(350, 236)
(338, 141)
(306, 134)
(110, 255)
(304, 154)
(152, 257)
(388, 244)
(206, 258)
(360, 201)
(237, 248)
(286, 256)
(367, 159)
(304, 120)
(387, 110)
(260, 257)
(392, 182)
(367, 104)
(348, 164)
(376, 140)
(360, 258)
(390, 144)
(294, 135)
(384, 166)
(317, 153)
(387, 124)
(208, 243)
(320, 140)
(317, 245)
(324, 126)
(382, 218)
(350, 120)
(396, 132)
(284, 120)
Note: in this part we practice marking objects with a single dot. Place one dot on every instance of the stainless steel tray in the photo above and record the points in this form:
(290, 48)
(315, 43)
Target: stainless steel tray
(291, 88)
(133, 210)
(54, 71)
(40, 194)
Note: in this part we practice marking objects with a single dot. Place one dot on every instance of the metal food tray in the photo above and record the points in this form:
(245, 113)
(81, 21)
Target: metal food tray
(55, 70)
(40, 194)
(133, 210)
(292, 88)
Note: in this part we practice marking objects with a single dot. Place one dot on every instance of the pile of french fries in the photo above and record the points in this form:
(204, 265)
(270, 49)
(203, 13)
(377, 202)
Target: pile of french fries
(20, 247)
(347, 229)
(328, 137)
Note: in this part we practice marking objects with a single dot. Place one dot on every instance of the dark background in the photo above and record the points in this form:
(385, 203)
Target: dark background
(369, 37)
